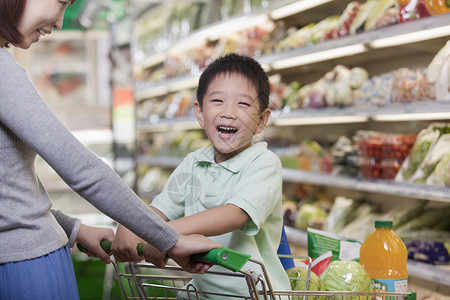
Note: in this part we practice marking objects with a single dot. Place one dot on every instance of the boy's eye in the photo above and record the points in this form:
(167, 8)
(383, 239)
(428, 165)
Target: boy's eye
(244, 103)
(216, 100)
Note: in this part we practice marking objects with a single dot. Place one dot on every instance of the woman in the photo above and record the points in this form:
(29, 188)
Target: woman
(35, 259)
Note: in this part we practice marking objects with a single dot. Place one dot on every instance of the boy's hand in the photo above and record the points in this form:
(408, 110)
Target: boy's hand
(124, 245)
(154, 256)
(90, 237)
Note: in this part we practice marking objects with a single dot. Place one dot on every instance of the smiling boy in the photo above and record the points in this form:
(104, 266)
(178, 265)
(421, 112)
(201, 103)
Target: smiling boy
(230, 192)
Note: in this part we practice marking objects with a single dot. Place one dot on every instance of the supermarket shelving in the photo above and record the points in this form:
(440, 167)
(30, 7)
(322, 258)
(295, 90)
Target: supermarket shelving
(373, 45)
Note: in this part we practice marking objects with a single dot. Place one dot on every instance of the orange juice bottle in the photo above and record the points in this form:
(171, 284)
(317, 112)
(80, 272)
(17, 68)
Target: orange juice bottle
(384, 256)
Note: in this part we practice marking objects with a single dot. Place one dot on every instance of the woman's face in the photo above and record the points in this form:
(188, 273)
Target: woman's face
(39, 18)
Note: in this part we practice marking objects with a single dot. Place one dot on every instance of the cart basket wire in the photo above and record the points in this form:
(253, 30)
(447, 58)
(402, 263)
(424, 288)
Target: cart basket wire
(145, 281)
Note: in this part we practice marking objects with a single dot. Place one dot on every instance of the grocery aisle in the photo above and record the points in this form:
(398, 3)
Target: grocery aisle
(360, 108)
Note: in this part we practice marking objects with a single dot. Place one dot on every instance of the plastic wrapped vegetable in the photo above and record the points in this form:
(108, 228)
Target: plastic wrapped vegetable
(438, 73)
(346, 276)
(425, 139)
(377, 12)
(427, 219)
(441, 174)
(433, 157)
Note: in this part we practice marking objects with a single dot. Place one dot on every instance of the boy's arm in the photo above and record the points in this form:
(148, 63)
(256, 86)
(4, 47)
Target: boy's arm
(212, 222)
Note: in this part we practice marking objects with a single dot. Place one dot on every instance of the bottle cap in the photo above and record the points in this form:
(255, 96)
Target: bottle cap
(383, 224)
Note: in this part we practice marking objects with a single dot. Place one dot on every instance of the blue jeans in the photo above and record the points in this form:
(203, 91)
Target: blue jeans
(47, 277)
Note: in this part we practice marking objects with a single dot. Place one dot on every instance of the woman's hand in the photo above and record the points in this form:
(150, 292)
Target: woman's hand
(90, 237)
(124, 245)
(188, 245)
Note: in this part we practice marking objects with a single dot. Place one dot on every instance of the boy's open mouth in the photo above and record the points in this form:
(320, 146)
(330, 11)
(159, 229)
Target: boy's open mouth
(226, 130)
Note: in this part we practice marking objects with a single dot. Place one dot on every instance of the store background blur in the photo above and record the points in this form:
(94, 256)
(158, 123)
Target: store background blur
(359, 99)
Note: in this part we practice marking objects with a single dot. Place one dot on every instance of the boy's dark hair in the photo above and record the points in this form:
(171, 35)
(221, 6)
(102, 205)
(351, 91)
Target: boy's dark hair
(235, 63)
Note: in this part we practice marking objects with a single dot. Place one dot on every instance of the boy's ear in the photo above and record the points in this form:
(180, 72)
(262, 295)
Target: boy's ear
(263, 120)
(198, 113)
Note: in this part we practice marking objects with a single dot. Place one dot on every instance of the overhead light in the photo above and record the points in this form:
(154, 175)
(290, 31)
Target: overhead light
(412, 116)
(318, 56)
(296, 7)
(319, 120)
(417, 36)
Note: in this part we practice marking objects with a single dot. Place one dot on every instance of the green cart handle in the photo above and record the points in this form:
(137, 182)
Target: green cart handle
(106, 246)
(227, 258)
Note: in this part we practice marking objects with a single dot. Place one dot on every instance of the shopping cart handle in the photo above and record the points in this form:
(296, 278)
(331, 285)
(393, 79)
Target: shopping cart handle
(106, 245)
(228, 258)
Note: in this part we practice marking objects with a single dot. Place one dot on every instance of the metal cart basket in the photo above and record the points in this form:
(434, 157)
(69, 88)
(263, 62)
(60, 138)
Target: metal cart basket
(145, 281)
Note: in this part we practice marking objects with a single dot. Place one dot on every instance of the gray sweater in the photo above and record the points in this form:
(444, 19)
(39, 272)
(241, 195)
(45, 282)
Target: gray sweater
(28, 228)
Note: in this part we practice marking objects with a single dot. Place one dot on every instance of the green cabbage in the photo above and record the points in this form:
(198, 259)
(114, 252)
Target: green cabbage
(346, 276)
(297, 277)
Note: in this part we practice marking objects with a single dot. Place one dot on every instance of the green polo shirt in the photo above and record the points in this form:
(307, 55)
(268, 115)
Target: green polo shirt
(251, 180)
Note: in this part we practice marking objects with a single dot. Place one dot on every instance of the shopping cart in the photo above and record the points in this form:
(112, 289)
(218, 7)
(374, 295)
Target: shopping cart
(145, 281)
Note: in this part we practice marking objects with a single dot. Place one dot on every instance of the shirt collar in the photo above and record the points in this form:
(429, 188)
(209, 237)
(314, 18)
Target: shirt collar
(236, 163)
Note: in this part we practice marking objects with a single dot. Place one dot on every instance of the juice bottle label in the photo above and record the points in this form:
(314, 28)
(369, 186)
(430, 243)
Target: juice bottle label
(390, 285)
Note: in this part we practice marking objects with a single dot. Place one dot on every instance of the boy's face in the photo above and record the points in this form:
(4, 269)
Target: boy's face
(231, 115)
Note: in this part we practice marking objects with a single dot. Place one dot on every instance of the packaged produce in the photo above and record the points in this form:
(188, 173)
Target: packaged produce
(402, 214)
(375, 91)
(384, 256)
(321, 242)
(428, 252)
(433, 157)
(412, 10)
(363, 13)
(424, 141)
(411, 85)
(438, 73)
(377, 12)
(437, 7)
(345, 21)
(346, 276)
(441, 173)
(339, 214)
(310, 215)
(427, 219)
(361, 222)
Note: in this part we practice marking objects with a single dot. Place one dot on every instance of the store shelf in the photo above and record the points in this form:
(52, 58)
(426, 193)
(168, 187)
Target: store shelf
(163, 125)
(389, 36)
(386, 187)
(436, 274)
(424, 110)
(362, 43)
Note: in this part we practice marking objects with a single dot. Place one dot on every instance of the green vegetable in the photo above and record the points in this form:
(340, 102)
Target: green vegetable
(297, 277)
(308, 215)
(346, 276)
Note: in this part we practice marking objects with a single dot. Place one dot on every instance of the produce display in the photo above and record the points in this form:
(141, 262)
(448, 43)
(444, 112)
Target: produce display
(272, 37)
(428, 161)
(353, 219)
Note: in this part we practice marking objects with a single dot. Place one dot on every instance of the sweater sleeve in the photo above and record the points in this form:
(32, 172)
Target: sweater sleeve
(65, 221)
(25, 113)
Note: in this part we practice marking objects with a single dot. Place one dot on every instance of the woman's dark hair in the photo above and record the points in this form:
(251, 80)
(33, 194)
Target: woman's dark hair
(10, 14)
(235, 63)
